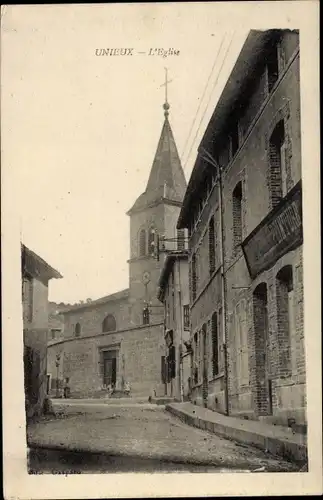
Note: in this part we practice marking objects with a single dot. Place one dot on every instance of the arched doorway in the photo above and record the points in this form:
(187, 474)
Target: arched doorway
(263, 391)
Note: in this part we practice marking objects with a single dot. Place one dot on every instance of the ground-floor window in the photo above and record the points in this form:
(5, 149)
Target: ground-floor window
(215, 344)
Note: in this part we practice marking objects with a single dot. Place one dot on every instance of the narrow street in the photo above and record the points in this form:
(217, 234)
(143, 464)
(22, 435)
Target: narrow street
(93, 437)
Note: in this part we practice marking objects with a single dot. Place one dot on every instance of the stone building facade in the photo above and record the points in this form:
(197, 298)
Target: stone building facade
(36, 274)
(243, 208)
(174, 295)
(119, 338)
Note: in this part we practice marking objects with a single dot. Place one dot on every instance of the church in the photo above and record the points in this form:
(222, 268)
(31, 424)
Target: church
(120, 337)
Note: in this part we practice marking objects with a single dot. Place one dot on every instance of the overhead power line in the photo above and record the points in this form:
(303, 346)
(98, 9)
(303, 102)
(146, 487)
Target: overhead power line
(205, 110)
(204, 92)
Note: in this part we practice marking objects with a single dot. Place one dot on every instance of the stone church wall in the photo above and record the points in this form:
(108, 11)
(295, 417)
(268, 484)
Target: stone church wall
(139, 354)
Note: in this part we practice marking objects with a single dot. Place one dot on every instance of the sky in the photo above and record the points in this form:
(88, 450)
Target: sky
(86, 127)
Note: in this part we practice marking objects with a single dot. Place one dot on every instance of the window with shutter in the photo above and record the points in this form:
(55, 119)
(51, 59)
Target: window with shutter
(237, 215)
(163, 370)
(180, 239)
(215, 344)
(194, 277)
(277, 164)
(211, 246)
(186, 314)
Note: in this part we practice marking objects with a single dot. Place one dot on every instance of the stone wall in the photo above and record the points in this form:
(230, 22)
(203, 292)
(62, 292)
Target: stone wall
(139, 352)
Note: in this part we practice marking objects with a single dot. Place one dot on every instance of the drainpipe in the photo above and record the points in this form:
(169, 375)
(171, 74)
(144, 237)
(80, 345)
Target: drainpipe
(224, 296)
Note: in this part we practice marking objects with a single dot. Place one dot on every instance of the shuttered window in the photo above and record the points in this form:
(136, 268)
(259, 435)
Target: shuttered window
(277, 164)
(215, 345)
(194, 277)
(180, 239)
(211, 246)
(186, 314)
(172, 361)
(237, 214)
(163, 370)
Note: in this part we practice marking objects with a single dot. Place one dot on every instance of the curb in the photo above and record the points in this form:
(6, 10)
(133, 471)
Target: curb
(287, 450)
(49, 448)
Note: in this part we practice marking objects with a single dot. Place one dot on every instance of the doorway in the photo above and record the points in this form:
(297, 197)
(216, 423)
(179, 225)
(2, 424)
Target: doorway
(263, 389)
(109, 367)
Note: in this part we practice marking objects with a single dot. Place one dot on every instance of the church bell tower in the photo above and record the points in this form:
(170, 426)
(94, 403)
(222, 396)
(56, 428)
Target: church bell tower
(153, 218)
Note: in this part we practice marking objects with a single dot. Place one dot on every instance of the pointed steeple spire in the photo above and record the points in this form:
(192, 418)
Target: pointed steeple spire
(166, 179)
(167, 169)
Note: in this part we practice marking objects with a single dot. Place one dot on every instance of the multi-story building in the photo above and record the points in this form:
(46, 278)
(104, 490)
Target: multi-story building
(36, 274)
(243, 209)
(174, 294)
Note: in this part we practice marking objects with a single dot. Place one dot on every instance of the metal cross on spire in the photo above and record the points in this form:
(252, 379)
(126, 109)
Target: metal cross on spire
(165, 84)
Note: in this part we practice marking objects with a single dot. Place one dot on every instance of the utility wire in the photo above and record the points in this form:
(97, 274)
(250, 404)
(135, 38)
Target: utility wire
(203, 95)
(214, 85)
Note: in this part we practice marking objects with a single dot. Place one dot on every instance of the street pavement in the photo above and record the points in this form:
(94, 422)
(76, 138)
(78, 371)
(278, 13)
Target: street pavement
(117, 436)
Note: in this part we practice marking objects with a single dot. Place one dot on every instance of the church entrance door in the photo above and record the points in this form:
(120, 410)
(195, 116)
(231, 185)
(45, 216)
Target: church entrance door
(109, 368)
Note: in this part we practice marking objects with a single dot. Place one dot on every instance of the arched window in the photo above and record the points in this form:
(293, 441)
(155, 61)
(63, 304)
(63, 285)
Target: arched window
(142, 243)
(237, 214)
(285, 316)
(277, 174)
(211, 246)
(77, 330)
(145, 316)
(109, 324)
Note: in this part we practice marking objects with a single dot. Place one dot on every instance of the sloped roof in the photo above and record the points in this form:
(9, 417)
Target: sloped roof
(121, 295)
(166, 180)
(36, 266)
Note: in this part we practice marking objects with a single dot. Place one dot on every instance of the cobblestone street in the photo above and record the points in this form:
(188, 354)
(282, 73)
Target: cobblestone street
(147, 435)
